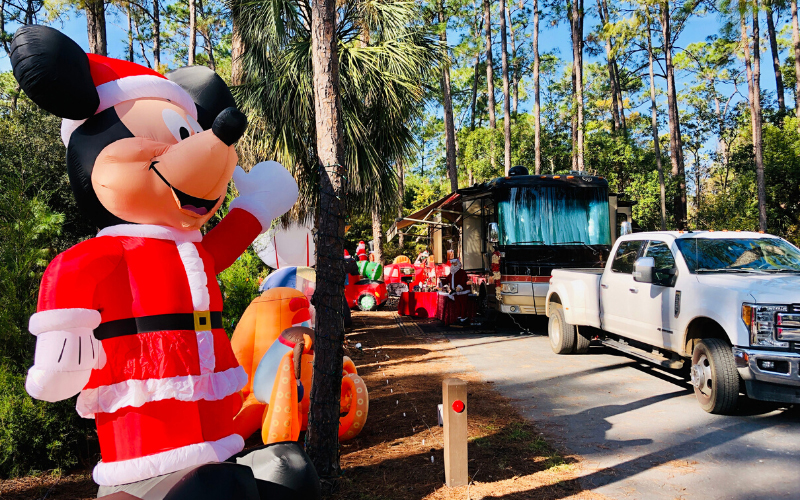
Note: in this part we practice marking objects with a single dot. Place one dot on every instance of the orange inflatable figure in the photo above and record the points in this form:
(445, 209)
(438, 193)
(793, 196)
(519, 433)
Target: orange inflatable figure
(276, 348)
(265, 318)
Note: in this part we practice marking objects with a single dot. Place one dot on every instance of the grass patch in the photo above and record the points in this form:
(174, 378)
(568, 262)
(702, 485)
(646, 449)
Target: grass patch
(517, 431)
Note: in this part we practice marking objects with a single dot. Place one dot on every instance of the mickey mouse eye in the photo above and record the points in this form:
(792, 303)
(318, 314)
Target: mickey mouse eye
(176, 124)
(193, 123)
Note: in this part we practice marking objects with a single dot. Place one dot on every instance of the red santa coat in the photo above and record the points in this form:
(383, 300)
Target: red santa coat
(162, 400)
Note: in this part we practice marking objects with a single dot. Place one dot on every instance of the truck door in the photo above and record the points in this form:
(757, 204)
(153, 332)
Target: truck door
(617, 293)
(654, 302)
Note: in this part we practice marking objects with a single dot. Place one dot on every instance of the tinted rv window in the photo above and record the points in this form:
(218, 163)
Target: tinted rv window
(547, 215)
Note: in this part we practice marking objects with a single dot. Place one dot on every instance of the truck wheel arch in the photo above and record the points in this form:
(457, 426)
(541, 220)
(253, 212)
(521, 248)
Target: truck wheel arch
(702, 328)
(552, 298)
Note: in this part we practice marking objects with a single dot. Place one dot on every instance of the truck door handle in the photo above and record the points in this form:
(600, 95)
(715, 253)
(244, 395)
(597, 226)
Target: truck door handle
(634, 290)
(603, 285)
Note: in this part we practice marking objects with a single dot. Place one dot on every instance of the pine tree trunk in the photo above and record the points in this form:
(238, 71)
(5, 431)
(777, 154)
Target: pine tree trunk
(654, 125)
(758, 144)
(506, 97)
(192, 31)
(476, 75)
(156, 35)
(675, 140)
(237, 51)
(576, 27)
(95, 11)
(776, 60)
(487, 23)
(322, 439)
(513, 68)
(612, 80)
(796, 45)
(449, 125)
(620, 98)
(402, 192)
(537, 112)
(377, 234)
(130, 32)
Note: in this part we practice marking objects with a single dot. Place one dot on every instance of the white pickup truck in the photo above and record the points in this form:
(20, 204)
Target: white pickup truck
(729, 301)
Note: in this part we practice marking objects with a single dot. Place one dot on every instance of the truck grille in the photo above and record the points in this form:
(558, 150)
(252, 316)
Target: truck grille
(787, 326)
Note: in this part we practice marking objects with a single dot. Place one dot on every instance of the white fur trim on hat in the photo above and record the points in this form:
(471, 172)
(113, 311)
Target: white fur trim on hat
(130, 88)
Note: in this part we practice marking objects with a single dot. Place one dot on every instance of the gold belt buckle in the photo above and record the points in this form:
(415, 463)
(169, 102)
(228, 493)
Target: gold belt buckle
(202, 321)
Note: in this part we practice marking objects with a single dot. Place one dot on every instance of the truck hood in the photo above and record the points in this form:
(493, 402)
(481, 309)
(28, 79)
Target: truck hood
(763, 288)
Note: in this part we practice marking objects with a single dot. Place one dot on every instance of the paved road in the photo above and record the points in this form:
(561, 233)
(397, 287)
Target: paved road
(639, 428)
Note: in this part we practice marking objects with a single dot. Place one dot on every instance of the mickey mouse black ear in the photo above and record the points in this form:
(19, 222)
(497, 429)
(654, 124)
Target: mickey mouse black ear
(209, 92)
(54, 72)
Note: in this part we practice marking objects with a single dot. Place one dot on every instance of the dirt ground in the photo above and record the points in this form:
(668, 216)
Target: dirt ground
(399, 454)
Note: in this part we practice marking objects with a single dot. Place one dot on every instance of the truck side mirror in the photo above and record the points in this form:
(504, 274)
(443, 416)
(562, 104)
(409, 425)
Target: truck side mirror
(494, 232)
(644, 269)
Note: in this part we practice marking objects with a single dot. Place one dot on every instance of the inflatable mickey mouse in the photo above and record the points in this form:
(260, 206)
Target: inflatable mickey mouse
(131, 320)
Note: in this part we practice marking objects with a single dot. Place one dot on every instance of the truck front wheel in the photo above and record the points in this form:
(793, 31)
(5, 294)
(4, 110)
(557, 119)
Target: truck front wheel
(562, 334)
(714, 376)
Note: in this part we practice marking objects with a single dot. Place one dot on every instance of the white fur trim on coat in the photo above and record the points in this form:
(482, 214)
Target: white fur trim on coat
(135, 393)
(63, 319)
(152, 231)
(158, 464)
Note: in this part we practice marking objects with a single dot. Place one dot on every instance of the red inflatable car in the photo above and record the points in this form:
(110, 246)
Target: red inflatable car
(365, 294)
(402, 277)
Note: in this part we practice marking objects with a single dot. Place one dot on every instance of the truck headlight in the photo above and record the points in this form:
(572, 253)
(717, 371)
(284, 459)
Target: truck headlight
(509, 288)
(760, 320)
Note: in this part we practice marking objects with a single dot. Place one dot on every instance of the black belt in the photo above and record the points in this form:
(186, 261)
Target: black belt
(197, 321)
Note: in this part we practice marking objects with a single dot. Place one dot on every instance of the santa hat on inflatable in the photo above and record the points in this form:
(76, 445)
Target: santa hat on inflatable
(118, 81)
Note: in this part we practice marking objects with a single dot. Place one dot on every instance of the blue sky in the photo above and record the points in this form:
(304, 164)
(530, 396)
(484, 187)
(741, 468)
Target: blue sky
(551, 38)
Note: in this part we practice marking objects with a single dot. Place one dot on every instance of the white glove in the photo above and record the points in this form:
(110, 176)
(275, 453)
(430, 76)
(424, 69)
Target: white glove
(66, 352)
(267, 191)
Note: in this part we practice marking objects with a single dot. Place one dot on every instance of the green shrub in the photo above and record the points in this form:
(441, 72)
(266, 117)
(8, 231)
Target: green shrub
(37, 436)
(239, 286)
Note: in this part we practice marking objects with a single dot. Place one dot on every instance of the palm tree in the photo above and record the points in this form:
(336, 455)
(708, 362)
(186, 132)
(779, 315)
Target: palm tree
(384, 62)
(383, 88)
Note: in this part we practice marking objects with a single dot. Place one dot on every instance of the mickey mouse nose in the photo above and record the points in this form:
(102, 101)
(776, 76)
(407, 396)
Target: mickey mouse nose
(229, 125)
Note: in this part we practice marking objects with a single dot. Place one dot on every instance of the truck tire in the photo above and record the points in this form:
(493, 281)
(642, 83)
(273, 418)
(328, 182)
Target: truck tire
(714, 376)
(583, 338)
(562, 334)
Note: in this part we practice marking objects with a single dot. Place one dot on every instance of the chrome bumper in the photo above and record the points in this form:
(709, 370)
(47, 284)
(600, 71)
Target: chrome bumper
(786, 370)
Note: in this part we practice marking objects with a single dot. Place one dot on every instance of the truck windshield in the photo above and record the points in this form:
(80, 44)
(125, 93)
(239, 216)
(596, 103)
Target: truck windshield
(545, 215)
(706, 255)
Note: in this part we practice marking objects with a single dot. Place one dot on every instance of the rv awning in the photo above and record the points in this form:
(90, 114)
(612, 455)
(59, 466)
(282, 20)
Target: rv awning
(425, 213)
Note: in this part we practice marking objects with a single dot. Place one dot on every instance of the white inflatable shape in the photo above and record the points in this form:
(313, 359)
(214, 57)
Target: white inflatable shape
(284, 247)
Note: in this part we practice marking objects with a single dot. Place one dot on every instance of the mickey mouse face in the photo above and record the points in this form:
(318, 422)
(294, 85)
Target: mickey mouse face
(159, 151)
(167, 171)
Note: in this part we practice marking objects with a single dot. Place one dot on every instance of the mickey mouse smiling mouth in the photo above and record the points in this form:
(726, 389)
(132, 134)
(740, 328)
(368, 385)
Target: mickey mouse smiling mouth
(187, 202)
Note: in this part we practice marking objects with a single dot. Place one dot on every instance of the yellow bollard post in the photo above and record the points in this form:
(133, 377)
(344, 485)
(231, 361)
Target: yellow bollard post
(454, 398)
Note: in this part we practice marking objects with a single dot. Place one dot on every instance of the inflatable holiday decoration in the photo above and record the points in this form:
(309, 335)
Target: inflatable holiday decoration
(361, 251)
(303, 279)
(131, 320)
(287, 246)
(265, 318)
(277, 396)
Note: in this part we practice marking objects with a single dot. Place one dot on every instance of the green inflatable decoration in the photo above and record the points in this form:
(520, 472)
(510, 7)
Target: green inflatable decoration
(370, 270)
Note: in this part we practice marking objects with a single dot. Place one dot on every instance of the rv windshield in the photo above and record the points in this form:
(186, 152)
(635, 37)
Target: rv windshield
(546, 215)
